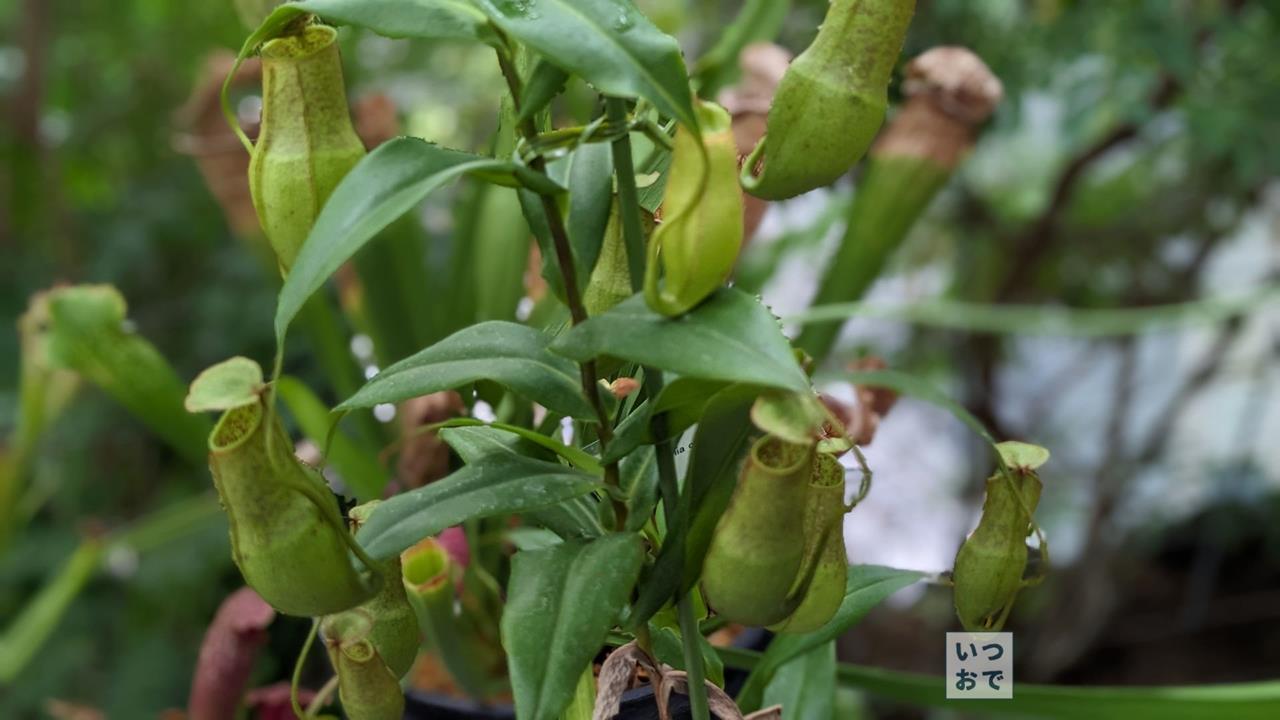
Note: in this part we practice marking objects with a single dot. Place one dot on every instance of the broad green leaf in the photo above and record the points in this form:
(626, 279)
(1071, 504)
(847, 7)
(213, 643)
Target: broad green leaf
(609, 43)
(493, 485)
(427, 19)
(806, 686)
(363, 475)
(384, 185)
(866, 587)
(590, 198)
(730, 338)
(232, 383)
(514, 356)
(561, 603)
(88, 334)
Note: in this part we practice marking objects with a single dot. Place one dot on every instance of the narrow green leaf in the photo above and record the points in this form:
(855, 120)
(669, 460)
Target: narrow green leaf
(576, 517)
(395, 287)
(609, 43)
(668, 648)
(757, 21)
(363, 475)
(514, 356)
(494, 485)
(427, 19)
(911, 385)
(574, 456)
(32, 627)
(473, 443)
(1048, 320)
(590, 198)
(545, 82)
(1238, 701)
(720, 443)
(562, 602)
(536, 217)
(731, 338)
(638, 476)
(806, 686)
(718, 448)
(866, 587)
(384, 185)
(499, 254)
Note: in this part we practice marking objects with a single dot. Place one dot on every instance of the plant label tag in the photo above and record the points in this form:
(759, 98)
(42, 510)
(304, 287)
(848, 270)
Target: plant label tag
(979, 666)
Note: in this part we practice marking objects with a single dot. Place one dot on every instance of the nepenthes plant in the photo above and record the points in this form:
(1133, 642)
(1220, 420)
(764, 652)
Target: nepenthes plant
(580, 532)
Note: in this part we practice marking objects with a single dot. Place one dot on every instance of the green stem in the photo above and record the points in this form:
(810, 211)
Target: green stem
(690, 636)
(296, 680)
(568, 273)
(633, 237)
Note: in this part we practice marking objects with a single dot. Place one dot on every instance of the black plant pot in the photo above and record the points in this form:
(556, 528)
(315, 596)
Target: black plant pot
(637, 704)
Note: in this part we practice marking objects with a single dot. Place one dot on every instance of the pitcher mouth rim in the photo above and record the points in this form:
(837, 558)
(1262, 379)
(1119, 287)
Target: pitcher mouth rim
(306, 46)
(216, 442)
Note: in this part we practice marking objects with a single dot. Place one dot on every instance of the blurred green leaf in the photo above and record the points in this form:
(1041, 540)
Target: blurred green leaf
(756, 21)
(1049, 320)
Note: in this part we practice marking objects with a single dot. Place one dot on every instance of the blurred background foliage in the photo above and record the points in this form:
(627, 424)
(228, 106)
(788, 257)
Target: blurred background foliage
(1133, 162)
